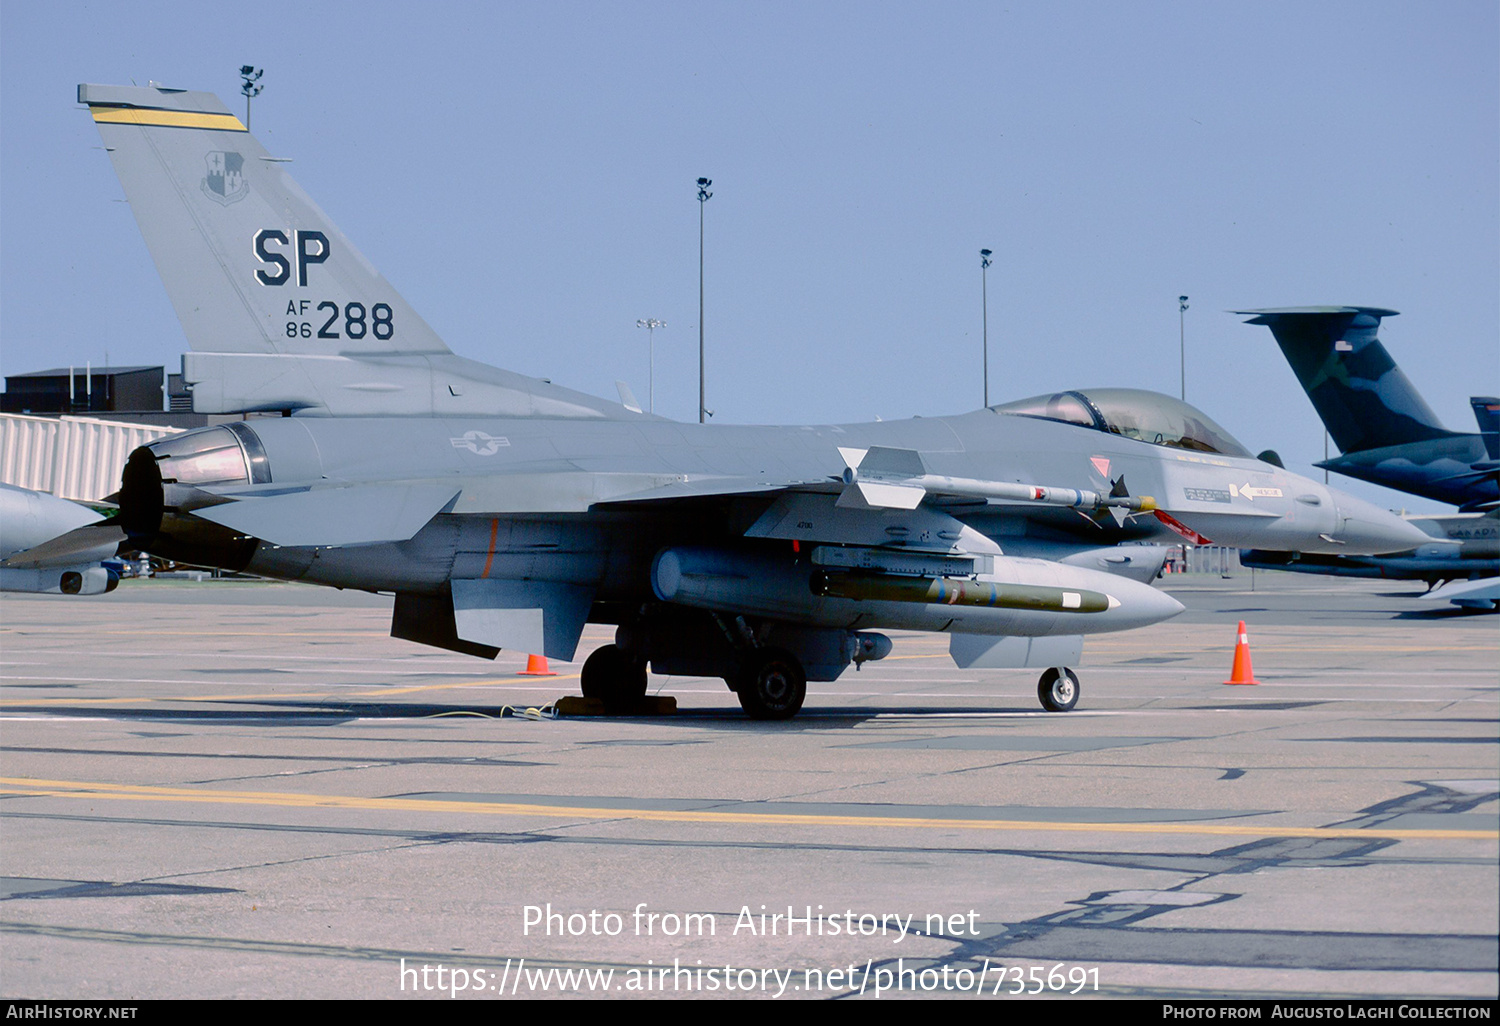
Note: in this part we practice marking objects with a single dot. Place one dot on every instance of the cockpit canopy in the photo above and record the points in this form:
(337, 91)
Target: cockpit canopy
(1132, 413)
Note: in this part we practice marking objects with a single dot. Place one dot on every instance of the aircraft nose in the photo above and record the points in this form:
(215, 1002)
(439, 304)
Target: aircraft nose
(1366, 529)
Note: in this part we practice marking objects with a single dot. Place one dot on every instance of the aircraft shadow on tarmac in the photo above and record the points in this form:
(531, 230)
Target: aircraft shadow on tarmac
(1441, 613)
(314, 714)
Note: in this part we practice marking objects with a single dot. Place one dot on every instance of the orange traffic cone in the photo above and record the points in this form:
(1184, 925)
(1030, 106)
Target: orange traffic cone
(1240, 672)
(536, 666)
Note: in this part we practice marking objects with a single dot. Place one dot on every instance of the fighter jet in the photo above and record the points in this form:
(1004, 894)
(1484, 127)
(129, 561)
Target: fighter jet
(29, 520)
(1389, 436)
(1385, 432)
(506, 512)
(1459, 563)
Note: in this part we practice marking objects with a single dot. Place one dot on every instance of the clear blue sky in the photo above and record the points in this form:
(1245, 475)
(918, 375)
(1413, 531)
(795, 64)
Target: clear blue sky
(523, 173)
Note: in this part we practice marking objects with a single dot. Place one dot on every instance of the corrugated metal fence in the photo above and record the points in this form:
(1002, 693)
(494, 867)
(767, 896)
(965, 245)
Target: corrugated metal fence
(70, 457)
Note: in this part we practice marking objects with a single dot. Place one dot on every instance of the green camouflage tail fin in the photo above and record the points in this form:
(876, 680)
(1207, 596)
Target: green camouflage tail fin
(1359, 392)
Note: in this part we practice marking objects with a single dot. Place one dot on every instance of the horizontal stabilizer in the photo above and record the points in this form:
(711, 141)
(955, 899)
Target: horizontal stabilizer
(28, 518)
(1487, 413)
(982, 652)
(361, 515)
(88, 544)
(537, 617)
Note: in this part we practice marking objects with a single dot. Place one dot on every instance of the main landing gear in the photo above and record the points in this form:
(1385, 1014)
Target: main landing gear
(1058, 689)
(770, 684)
(614, 677)
(766, 665)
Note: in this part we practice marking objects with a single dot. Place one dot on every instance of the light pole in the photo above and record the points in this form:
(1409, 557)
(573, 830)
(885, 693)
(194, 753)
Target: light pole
(651, 324)
(1182, 305)
(984, 298)
(249, 87)
(703, 197)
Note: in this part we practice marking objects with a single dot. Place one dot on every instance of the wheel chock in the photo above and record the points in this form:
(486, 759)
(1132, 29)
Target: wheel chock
(647, 705)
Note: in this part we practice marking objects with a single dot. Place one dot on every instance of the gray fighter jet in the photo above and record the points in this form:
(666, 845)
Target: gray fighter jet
(506, 512)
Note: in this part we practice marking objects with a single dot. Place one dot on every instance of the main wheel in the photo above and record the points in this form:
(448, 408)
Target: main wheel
(771, 685)
(613, 676)
(1058, 689)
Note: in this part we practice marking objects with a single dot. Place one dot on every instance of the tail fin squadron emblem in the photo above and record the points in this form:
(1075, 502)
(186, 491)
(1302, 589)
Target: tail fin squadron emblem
(225, 182)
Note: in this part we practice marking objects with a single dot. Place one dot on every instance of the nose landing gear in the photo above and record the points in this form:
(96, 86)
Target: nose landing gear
(1058, 689)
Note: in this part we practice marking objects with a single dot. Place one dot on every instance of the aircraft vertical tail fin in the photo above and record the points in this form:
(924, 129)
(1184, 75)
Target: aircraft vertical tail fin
(1364, 399)
(280, 309)
(1487, 413)
(250, 263)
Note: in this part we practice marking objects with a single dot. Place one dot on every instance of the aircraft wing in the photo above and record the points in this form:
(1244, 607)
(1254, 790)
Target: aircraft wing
(357, 515)
(881, 477)
(689, 487)
(881, 500)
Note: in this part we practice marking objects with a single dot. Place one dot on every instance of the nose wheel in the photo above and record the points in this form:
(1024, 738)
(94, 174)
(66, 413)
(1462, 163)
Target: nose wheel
(1058, 689)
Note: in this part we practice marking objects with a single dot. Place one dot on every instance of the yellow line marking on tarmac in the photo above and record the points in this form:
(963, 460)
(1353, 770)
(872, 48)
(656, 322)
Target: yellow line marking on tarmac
(1212, 653)
(24, 787)
(469, 684)
(176, 633)
(1370, 648)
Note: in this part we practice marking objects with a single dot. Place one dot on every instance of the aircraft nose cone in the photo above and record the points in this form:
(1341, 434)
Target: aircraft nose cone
(1366, 529)
(1140, 605)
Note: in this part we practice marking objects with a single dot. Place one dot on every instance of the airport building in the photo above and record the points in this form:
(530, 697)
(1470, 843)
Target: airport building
(67, 431)
(135, 392)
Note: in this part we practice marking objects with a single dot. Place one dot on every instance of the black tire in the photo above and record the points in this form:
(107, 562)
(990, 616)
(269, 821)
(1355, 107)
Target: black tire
(614, 677)
(1058, 689)
(771, 685)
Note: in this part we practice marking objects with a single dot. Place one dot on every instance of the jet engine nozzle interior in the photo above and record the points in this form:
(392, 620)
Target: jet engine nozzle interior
(163, 483)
